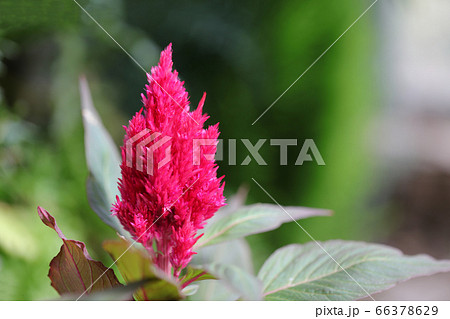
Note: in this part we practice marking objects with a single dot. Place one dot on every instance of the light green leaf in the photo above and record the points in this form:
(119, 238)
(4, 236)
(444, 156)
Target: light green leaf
(306, 272)
(235, 252)
(220, 253)
(190, 290)
(102, 159)
(243, 283)
(135, 265)
(253, 219)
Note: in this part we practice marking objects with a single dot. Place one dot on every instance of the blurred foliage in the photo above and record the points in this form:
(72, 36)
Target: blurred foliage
(244, 54)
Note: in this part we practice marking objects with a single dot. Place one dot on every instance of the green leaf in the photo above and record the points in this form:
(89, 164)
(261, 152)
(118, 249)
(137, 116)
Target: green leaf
(193, 274)
(118, 293)
(220, 253)
(102, 159)
(230, 262)
(306, 272)
(253, 219)
(73, 270)
(243, 283)
(134, 264)
(235, 252)
(190, 290)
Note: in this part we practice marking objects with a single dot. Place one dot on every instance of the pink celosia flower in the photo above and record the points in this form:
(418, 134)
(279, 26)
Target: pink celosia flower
(170, 203)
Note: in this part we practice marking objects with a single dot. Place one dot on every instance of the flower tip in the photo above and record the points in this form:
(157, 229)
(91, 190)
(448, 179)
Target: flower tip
(166, 57)
(201, 103)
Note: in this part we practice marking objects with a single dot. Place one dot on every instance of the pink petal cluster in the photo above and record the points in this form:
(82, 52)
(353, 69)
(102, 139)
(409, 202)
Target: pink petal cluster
(165, 209)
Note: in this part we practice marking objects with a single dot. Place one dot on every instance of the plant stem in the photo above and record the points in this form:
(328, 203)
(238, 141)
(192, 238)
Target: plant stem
(164, 264)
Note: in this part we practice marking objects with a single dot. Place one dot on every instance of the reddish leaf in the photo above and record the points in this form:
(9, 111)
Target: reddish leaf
(73, 270)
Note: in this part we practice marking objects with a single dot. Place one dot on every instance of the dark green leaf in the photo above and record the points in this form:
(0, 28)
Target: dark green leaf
(102, 159)
(253, 219)
(306, 272)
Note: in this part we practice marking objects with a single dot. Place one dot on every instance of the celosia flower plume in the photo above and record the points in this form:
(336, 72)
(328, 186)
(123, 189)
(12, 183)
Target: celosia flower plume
(166, 207)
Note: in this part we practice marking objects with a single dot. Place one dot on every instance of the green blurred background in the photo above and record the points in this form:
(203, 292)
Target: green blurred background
(244, 54)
